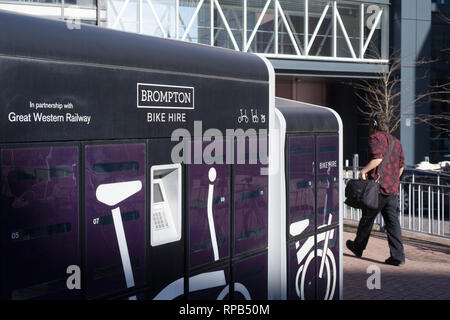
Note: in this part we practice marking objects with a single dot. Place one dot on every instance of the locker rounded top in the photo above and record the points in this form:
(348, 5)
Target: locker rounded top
(304, 117)
(29, 37)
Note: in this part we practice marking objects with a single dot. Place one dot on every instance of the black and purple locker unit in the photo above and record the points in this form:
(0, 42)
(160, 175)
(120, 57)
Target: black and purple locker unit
(313, 176)
(130, 171)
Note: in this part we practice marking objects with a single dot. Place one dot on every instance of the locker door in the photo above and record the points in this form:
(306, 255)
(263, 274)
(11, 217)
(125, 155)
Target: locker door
(327, 237)
(209, 233)
(301, 218)
(250, 221)
(250, 278)
(327, 180)
(39, 221)
(115, 188)
(328, 264)
(302, 269)
(301, 183)
(314, 266)
(250, 200)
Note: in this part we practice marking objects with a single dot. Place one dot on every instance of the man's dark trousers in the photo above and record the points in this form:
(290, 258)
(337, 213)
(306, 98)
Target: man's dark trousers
(388, 205)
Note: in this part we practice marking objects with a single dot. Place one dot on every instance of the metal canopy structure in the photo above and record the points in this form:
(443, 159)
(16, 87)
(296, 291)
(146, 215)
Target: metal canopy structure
(351, 31)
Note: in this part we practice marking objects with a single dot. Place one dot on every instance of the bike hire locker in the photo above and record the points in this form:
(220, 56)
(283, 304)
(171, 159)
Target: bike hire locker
(311, 254)
(109, 150)
(165, 204)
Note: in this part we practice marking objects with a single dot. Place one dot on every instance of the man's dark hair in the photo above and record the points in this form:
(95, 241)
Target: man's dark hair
(379, 121)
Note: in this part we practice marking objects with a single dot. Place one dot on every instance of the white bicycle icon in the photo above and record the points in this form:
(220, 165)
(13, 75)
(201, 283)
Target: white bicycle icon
(205, 280)
(243, 117)
(112, 194)
(306, 254)
(255, 118)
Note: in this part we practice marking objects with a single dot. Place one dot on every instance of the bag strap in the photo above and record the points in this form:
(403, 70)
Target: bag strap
(386, 159)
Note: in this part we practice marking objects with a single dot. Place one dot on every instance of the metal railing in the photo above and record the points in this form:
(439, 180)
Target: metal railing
(424, 201)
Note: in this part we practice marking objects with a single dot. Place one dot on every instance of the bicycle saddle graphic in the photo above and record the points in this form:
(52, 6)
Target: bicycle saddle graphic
(114, 193)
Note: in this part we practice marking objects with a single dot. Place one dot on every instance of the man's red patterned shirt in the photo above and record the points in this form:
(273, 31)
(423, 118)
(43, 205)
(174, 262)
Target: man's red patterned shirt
(378, 148)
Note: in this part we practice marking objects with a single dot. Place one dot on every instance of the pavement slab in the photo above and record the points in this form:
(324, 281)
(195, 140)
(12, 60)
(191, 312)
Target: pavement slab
(424, 276)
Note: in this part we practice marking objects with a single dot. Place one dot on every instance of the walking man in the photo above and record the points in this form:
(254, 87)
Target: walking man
(379, 143)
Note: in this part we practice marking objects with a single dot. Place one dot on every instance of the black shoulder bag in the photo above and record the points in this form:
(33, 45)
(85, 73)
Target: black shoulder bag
(363, 194)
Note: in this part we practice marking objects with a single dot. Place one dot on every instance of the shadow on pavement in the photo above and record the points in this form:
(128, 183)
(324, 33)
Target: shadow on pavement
(363, 258)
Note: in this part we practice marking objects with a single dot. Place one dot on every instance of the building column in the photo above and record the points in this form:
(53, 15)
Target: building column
(411, 38)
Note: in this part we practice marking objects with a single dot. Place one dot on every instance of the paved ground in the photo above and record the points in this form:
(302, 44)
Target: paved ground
(425, 276)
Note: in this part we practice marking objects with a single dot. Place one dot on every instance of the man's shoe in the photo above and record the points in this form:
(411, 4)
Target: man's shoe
(351, 246)
(393, 262)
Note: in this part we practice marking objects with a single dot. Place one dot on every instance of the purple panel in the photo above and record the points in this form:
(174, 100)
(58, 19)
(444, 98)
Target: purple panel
(39, 214)
(111, 164)
(251, 273)
(302, 273)
(216, 278)
(328, 179)
(328, 284)
(301, 180)
(250, 220)
(201, 250)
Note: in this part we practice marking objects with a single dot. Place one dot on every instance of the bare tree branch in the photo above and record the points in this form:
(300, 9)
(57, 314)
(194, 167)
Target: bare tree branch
(383, 94)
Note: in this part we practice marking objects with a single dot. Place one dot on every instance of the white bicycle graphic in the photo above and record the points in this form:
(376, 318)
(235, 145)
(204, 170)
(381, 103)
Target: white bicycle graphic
(205, 280)
(306, 254)
(255, 118)
(112, 194)
(243, 117)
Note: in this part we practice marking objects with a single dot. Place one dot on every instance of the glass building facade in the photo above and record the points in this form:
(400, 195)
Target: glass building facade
(80, 11)
(439, 75)
(293, 29)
